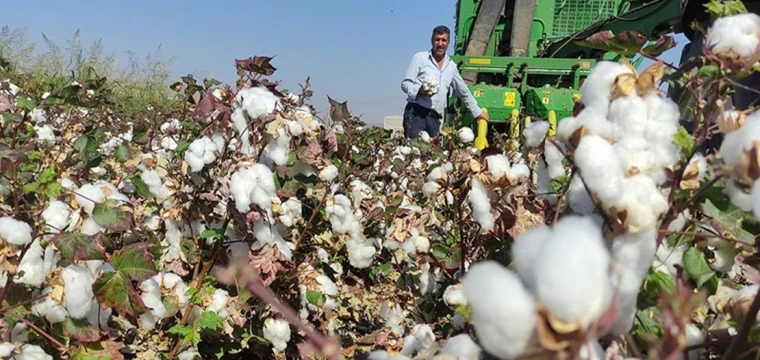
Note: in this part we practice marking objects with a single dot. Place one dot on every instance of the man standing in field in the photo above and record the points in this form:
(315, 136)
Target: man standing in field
(424, 110)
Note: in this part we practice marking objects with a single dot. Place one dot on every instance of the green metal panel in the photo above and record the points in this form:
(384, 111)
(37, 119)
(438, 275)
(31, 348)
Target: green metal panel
(540, 101)
(498, 100)
(573, 15)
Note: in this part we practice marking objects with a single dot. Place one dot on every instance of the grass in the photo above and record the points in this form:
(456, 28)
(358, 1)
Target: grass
(136, 86)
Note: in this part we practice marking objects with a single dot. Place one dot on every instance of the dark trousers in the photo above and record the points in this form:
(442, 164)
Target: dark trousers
(418, 118)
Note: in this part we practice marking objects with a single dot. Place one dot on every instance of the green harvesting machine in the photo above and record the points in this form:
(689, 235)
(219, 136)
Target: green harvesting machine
(524, 58)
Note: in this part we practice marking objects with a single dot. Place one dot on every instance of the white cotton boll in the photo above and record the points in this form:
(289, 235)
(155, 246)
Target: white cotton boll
(634, 254)
(571, 272)
(268, 234)
(257, 101)
(252, 184)
(277, 331)
(454, 296)
(151, 297)
(498, 165)
(77, 290)
(171, 126)
(642, 201)
(15, 232)
(200, 153)
(554, 159)
(430, 84)
(32, 266)
(741, 140)
(99, 317)
(503, 311)
(219, 302)
(383, 355)
(329, 173)
(189, 354)
(736, 38)
(738, 197)
(461, 347)
(526, 252)
(49, 309)
(597, 87)
(424, 136)
(591, 350)
(680, 221)
(635, 155)
(578, 198)
(667, 258)
(56, 215)
(37, 116)
(328, 287)
(19, 333)
(6, 349)
(44, 132)
(481, 206)
(544, 186)
(277, 150)
(465, 135)
(629, 116)
(724, 252)
(89, 194)
(600, 171)
(90, 227)
(360, 254)
(294, 128)
(535, 133)
(169, 143)
(422, 338)
(32, 352)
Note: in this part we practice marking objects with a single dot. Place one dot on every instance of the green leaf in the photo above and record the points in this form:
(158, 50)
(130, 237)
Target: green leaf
(729, 219)
(440, 251)
(25, 103)
(685, 140)
(47, 175)
(182, 145)
(115, 290)
(724, 8)
(53, 190)
(122, 153)
(209, 320)
(316, 298)
(708, 72)
(464, 311)
(141, 187)
(696, 266)
(77, 246)
(188, 334)
(135, 261)
(110, 217)
(558, 184)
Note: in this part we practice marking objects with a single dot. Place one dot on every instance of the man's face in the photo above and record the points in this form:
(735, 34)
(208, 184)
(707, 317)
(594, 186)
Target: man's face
(440, 44)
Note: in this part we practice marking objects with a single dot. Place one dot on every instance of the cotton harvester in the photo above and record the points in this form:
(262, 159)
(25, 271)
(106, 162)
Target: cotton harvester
(526, 58)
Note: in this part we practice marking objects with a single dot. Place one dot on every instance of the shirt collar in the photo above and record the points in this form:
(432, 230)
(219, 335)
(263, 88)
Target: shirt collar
(446, 58)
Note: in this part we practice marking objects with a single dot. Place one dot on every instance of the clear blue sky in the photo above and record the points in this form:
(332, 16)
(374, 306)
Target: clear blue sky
(355, 50)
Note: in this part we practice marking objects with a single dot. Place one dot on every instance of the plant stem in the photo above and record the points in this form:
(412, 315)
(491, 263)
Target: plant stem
(42, 333)
(198, 283)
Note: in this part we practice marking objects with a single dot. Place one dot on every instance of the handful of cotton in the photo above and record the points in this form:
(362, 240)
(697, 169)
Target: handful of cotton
(430, 84)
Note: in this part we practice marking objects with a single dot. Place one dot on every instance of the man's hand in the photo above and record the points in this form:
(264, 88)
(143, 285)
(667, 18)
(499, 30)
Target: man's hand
(484, 116)
(424, 93)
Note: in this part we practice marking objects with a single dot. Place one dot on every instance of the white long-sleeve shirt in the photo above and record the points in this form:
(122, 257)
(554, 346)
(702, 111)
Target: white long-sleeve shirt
(424, 64)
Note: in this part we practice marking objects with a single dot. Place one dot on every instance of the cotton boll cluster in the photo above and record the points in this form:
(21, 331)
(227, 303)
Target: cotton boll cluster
(277, 331)
(201, 152)
(481, 206)
(252, 184)
(564, 270)
(250, 104)
(430, 84)
(100, 191)
(77, 291)
(108, 147)
(465, 135)
(343, 221)
(15, 232)
(735, 40)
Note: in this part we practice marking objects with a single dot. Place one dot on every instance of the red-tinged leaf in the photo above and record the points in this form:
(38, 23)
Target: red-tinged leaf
(77, 246)
(115, 290)
(104, 350)
(110, 217)
(5, 103)
(257, 64)
(330, 142)
(80, 330)
(626, 43)
(206, 105)
(271, 86)
(310, 154)
(663, 44)
(135, 261)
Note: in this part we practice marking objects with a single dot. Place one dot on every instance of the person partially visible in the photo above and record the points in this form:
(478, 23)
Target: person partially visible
(424, 110)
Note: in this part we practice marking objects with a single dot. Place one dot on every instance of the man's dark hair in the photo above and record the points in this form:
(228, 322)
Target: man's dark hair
(440, 30)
